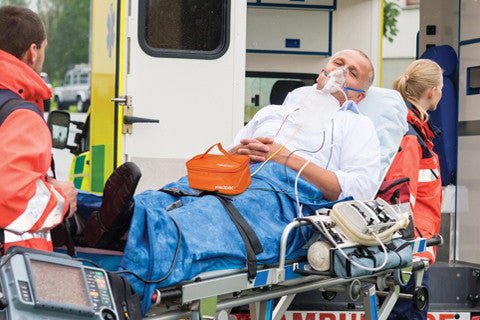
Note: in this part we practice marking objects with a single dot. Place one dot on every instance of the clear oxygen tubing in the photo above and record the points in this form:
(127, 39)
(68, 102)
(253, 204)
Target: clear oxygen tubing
(297, 197)
(384, 249)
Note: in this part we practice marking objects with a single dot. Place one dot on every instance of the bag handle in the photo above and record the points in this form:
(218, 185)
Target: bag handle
(225, 153)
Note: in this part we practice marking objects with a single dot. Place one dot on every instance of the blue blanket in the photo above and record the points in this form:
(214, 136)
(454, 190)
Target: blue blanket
(208, 238)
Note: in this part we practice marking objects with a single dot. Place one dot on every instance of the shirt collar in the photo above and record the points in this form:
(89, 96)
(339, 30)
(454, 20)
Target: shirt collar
(350, 106)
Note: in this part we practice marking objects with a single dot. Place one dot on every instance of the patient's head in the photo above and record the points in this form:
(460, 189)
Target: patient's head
(421, 84)
(359, 73)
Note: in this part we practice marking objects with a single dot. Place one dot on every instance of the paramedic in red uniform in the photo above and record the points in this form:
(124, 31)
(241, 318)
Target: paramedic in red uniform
(31, 203)
(421, 87)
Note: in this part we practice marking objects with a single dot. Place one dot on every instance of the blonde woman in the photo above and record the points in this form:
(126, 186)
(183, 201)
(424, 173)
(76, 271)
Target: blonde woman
(421, 87)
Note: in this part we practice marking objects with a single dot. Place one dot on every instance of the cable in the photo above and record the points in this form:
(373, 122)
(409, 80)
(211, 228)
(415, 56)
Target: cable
(349, 259)
(304, 150)
(331, 147)
(170, 270)
(88, 261)
(275, 153)
(295, 188)
(283, 122)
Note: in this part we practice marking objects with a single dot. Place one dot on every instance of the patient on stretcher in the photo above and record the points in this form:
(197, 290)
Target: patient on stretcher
(175, 234)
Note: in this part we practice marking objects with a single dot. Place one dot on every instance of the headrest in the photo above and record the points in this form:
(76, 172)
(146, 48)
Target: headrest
(445, 56)
(388, 112)
(281, 88)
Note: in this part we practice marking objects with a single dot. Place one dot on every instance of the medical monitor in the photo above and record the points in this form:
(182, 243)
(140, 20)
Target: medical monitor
(48, 285)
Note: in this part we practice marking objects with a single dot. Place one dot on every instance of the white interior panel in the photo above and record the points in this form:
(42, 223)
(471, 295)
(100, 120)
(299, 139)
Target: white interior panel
(468, 200)
(470, 10)
(268, 29)
(444, 15)
(469, 106)
(303, 3)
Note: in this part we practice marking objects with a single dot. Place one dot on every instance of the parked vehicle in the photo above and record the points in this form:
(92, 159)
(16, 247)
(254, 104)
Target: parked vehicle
(46, 103)
(75, 89)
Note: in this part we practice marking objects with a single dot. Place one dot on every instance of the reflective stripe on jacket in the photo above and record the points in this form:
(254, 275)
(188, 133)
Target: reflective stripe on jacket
(29, 205)
(417, 160)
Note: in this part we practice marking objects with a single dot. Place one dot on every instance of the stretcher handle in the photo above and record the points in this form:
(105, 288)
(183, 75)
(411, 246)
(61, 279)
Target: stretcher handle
(436, 240)
(418, 265)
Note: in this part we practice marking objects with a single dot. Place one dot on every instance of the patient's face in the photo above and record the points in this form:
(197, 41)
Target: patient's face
(358, 68)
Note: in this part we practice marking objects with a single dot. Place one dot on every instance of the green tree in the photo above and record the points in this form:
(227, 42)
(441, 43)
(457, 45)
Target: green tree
(391, 11)
(67, 23)
(14, 2)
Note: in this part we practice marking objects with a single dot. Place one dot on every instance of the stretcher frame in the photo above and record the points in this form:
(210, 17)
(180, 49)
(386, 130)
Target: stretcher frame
(213, 295)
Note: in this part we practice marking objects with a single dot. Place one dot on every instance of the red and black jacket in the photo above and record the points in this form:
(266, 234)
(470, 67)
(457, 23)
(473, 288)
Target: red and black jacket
(29, 205)
(417, 161)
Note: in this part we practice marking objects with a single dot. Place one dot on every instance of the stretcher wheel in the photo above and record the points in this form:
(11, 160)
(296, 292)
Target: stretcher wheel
(420, 298)
(354, 290)
(329, 295)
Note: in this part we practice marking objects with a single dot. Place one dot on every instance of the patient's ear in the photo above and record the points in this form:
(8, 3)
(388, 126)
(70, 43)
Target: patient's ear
(359, 97)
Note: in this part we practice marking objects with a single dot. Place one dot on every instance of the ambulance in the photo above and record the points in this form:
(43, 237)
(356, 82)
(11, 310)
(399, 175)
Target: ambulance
(171, 78)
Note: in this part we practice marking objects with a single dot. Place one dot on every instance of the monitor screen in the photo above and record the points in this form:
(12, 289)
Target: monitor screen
(59, 284)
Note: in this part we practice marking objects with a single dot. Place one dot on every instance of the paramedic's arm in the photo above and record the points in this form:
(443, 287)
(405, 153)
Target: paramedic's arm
(259, 149)
(68, 190)
(27, 201)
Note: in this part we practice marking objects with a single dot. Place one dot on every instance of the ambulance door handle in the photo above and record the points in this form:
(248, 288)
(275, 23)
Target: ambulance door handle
(132, 120)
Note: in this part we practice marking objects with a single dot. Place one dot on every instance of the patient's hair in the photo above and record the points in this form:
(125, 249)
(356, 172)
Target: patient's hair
(20, 27)
(420, 76)
(371, 75)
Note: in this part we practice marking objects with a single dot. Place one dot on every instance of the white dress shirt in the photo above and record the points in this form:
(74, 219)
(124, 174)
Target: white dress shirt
(344, 141)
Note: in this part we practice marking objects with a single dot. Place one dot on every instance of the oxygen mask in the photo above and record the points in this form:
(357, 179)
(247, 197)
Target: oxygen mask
(335, 80)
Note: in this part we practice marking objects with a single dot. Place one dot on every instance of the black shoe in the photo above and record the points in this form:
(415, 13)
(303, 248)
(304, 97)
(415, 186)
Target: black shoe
(107, 226)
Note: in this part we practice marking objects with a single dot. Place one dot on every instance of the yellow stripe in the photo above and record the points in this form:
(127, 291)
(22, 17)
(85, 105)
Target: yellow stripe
(380, 58)
(121, 79)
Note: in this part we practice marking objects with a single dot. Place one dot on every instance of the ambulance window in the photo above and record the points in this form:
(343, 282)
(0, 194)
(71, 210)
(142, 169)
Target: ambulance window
(473, 80)
(197, 29)
(265, 88)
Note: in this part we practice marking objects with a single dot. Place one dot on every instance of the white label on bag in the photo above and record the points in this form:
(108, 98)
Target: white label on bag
(224, 187)
(225, 165)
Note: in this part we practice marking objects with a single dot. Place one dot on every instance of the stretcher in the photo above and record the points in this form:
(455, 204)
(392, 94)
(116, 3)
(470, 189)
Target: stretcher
(269, 293)
(213, 295)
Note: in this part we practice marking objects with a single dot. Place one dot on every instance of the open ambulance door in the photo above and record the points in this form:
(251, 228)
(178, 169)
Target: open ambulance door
(184, 65)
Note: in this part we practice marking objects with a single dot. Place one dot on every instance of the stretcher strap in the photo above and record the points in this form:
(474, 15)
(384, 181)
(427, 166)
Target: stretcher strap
(250, 239)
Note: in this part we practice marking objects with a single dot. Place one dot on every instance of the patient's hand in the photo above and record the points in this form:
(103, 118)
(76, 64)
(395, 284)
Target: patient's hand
(261, 148)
